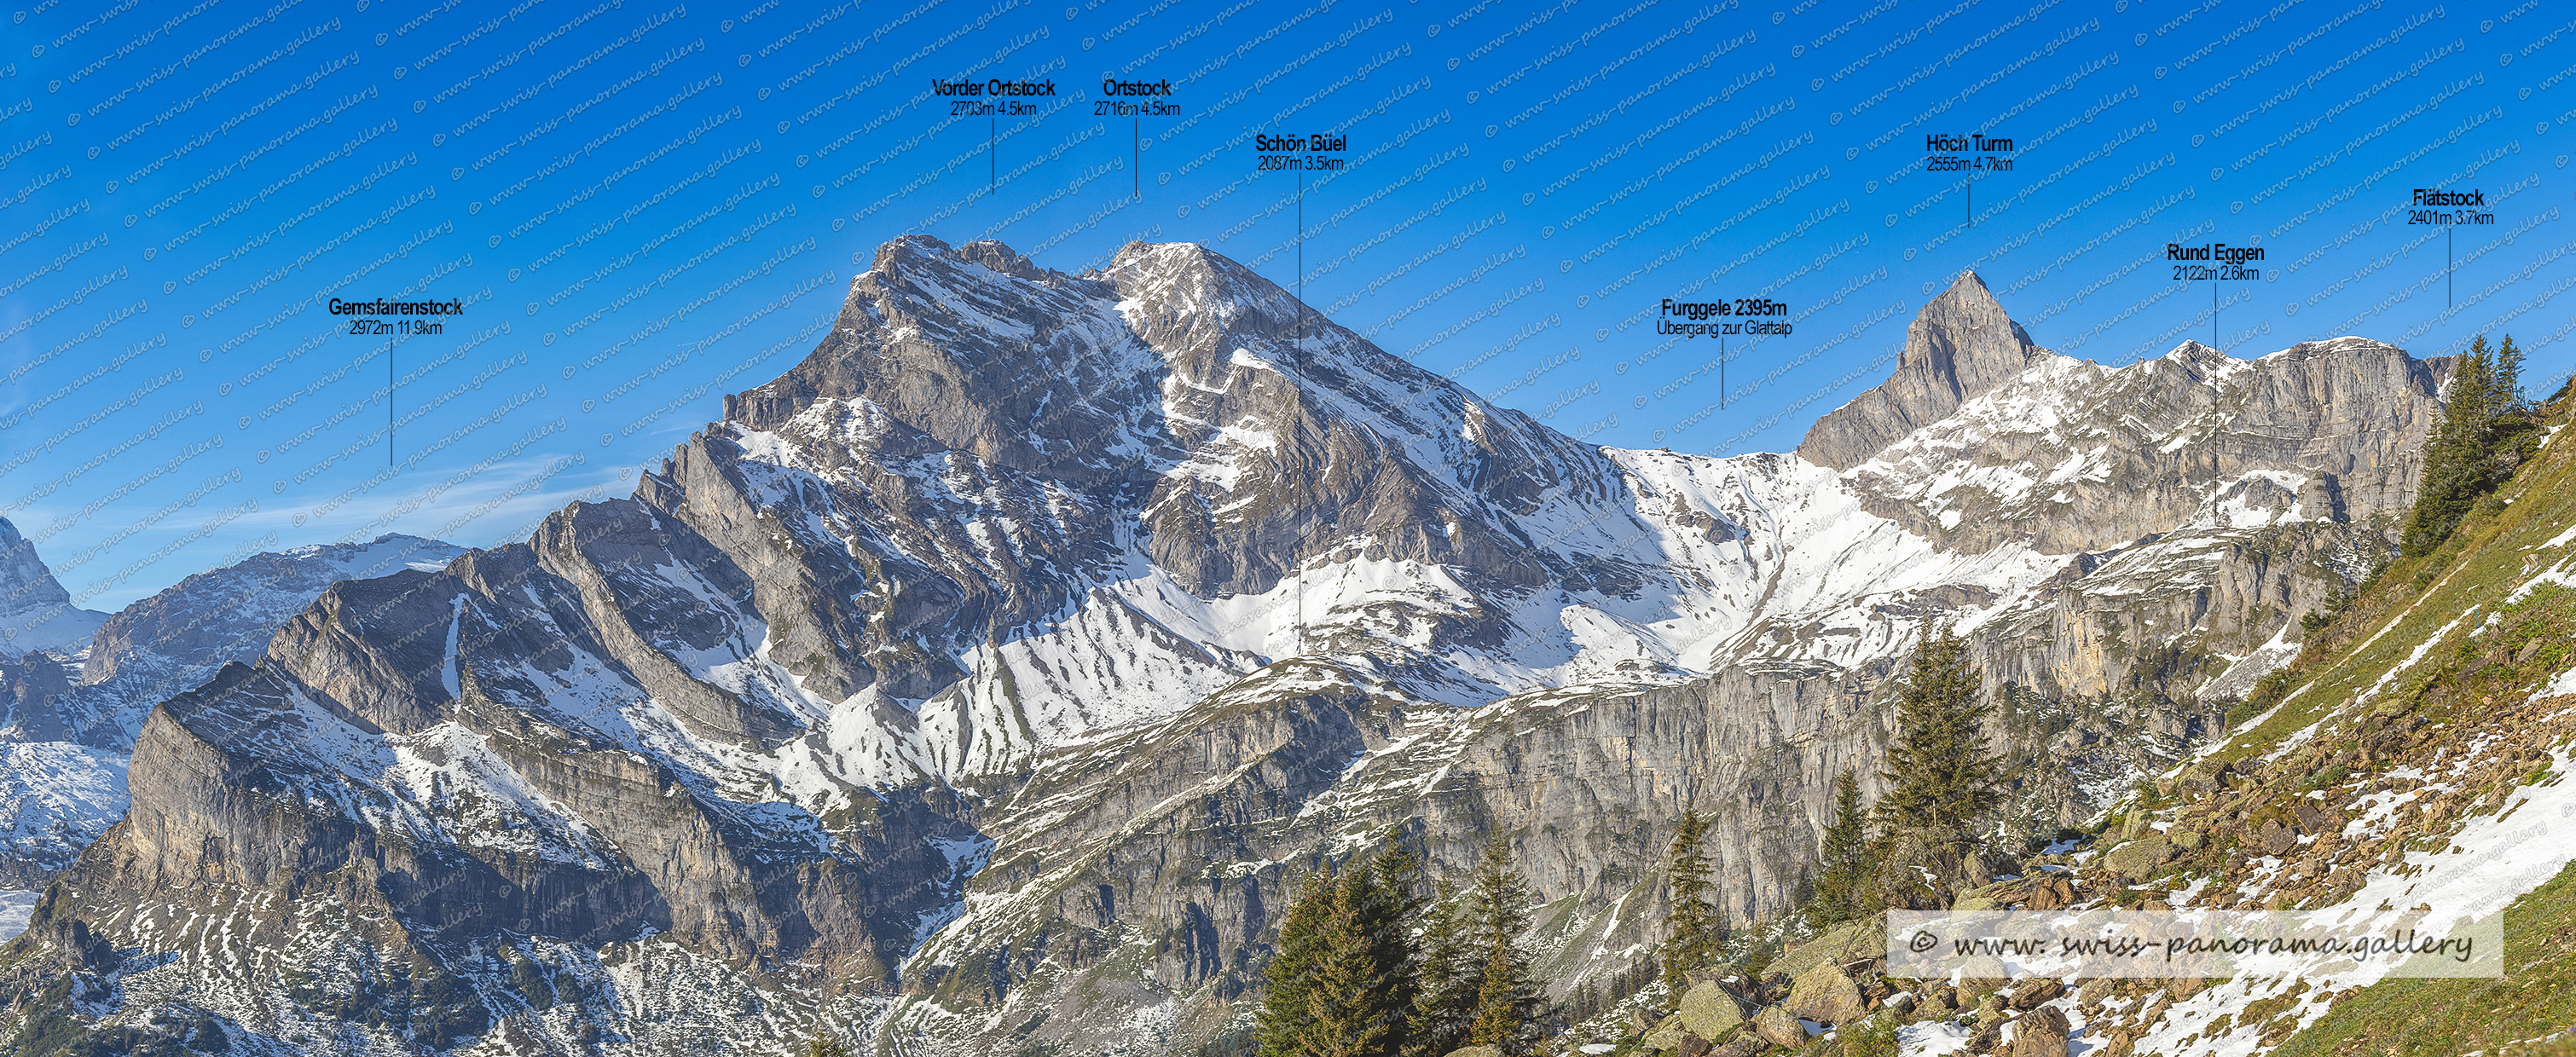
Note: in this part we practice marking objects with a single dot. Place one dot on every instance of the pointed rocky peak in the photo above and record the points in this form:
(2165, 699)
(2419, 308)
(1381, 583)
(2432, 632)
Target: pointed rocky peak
(1961, 345)
(976, 348)
(25, 582)
(2195, 352)
(994, 254)
(2202, 363)
(35, 612)
(1177, 293)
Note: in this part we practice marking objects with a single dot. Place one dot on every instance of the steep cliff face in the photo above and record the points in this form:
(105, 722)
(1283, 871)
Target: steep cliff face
(2081, 457)
(988, 677)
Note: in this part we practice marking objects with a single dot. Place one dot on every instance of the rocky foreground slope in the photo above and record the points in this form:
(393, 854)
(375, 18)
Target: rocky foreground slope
(984, 681)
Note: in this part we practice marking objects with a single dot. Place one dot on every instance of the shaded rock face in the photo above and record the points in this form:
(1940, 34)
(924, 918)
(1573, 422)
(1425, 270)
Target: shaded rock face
(988, 679)
(1198, 827)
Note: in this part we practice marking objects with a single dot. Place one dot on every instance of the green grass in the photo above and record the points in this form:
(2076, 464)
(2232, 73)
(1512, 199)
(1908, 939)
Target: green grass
(2476, 670)
(2536, 996)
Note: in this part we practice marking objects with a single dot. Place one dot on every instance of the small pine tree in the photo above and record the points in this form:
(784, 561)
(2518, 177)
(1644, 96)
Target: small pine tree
(1284, 1014)
(1940, 777)
(1506, 998)
(1451, 972)
(1692, 924)
(1846, 860)
(1350, 1005)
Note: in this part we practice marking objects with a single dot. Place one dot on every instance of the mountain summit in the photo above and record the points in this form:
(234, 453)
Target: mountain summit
(35, 612)
(1959, 346)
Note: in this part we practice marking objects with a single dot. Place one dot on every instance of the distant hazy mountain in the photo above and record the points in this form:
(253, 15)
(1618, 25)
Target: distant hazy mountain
(35, 612)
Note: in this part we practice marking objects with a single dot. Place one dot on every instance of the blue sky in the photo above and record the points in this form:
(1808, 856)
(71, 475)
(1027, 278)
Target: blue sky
(641, 206)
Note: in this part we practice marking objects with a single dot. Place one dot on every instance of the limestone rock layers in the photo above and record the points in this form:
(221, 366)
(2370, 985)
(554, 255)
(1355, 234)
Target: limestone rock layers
(993, 674)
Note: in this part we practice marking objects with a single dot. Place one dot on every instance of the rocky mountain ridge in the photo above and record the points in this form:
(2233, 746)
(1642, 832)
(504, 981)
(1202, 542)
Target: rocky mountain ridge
(987, 678)
(69, 716)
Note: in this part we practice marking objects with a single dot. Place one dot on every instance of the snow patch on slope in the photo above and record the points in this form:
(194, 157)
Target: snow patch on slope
(57, 797)
(2492, 861)
(16, 906)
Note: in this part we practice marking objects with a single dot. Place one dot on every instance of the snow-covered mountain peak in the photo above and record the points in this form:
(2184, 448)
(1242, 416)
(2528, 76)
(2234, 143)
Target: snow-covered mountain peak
(35, 612)
(1129, 589)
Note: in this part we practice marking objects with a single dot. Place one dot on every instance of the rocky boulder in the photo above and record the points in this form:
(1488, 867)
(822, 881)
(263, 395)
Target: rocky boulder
(2137, 860)
(1710, 1010)
(2031, 993)
(1857, 940)
(2040, 1033)
(1779, 1027)
(1667, 1036)
(2276, 839)
(1826, 996)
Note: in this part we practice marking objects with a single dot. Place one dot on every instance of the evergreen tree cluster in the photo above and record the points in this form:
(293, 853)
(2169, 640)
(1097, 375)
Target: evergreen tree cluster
(1368, 967)
(2482, 437)
(1942, 781)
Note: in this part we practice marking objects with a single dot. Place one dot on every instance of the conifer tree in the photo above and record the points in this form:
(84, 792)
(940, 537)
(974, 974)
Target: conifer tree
(1398, 875)
(1349, 998)
(1846, 860)
(1451, 973)
(2473, 449)
(1692, 924)
(1940, 777)
(1284, 1018)
(1506, 999)
(1344, 980)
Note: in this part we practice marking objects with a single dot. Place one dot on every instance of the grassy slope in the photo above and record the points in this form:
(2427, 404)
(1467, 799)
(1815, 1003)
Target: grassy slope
(2465, 683)
(2536, 997)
